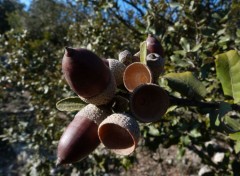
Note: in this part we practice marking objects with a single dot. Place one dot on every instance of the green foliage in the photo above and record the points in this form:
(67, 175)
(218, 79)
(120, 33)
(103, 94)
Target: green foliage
(186, 84)
(143, 52)
(227, 66)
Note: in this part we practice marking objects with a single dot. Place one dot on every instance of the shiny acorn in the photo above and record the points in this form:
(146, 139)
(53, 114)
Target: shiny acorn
(154, 46)
(85, 72)
(81, 136)
(88, 75)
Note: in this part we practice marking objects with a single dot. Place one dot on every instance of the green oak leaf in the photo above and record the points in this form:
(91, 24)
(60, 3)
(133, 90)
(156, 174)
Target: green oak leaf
(143, 52)
(186, 84)
(237, 146)
(70, 104)
(228, 67)
(235, 136)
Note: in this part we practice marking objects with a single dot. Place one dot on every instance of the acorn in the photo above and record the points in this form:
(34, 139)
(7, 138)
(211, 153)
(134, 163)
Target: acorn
(156, 64)
(81, 136)
(117, 68)
(154, 46)
(149, 102)
(104, 97)
(119, 133)
(125, 57)
(136, 74)
(88, 75)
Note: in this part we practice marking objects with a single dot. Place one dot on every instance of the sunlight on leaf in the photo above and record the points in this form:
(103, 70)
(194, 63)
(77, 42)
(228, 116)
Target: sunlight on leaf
(143, 52)
(186, 84)
(184, 43)
(70, 104)
(227, 67)
(235, 136)
(237, 146)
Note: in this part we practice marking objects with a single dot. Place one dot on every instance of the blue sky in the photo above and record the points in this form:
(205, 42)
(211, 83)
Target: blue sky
(26, 2)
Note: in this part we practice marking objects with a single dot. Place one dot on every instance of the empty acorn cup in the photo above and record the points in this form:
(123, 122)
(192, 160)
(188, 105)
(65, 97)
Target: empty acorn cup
(81, 136)
(119, 133)
(149, 102)
(136, 74)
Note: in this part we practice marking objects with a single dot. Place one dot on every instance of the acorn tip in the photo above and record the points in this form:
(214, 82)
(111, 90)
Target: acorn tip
(69, 51)
(59, 162)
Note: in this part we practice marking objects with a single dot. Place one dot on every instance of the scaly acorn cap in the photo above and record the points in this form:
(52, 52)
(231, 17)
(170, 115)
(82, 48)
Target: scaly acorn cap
(117, 68)
(81, 136)
(125, 57)
(95, 113)
(156, 64)
(119, 133)
(105, 96)
(149, 102)
(136, 74)
(85, 72)
(136, 57)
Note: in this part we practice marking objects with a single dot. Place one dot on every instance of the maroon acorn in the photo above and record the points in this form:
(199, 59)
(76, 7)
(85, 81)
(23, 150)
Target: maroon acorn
(154, 46)
(85, 72)
(81, 136)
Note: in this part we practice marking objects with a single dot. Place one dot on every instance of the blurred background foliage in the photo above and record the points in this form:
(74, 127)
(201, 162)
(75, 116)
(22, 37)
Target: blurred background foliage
(32, 41)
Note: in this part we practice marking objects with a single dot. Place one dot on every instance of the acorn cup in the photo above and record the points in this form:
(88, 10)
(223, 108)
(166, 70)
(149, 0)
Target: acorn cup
(125, 57)
(88, 76)
(81, 136)
(156, 64)
(117, 68)
(149, 102)
(119, 133)
(136, 57)
(104, 97)
(136, 74)
(154, 46)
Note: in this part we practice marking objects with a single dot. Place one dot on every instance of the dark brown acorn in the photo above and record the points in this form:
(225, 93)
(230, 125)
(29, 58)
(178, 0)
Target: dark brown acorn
(149, 102)
(85, 72)
(154, 46)
(81, 136)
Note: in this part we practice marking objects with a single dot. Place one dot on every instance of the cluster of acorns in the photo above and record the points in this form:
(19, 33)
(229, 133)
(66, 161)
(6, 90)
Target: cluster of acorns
(96, 81)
